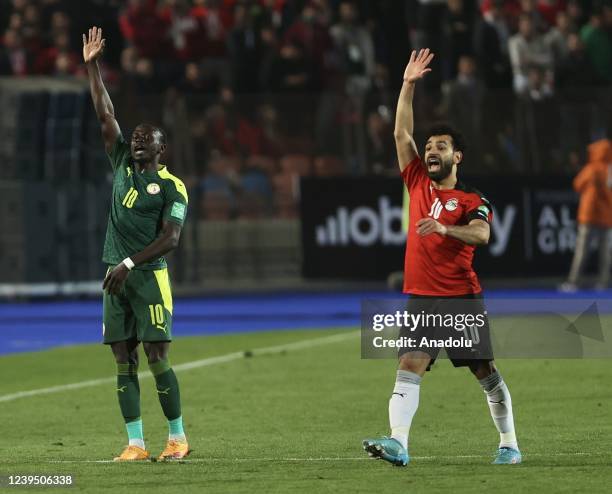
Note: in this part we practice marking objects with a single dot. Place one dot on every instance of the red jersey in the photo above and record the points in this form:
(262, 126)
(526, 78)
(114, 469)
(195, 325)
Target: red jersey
(435, 264)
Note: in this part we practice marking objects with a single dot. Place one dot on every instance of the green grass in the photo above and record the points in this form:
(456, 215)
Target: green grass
(267, 423)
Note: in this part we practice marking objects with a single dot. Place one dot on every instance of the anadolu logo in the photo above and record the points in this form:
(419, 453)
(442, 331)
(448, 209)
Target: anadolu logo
(363, 226)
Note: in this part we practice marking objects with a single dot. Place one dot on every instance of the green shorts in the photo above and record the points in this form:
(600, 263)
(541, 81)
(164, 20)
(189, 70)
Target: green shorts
(142, 310)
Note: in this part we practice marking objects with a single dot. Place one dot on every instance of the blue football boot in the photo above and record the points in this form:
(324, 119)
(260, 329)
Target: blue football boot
(508, 456)
(387, 449)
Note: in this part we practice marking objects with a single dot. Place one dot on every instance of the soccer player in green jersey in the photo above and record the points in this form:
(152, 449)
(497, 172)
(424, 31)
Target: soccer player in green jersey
(147, 212)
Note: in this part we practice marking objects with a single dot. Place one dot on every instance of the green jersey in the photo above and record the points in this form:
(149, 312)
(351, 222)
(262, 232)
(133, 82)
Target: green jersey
(140, 202)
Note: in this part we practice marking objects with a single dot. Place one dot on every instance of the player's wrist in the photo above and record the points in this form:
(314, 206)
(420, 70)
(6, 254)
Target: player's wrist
(128, 263)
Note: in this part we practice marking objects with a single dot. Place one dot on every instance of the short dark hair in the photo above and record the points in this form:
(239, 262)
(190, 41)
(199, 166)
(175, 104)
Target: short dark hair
(441, 129)
(156, 130)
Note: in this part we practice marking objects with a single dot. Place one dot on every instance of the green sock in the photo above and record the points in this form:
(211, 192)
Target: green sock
(128, 392)
(167, 389)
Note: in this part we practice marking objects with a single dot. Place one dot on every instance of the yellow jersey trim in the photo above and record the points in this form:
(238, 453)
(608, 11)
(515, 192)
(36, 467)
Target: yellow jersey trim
(163, 281)
(178, 183)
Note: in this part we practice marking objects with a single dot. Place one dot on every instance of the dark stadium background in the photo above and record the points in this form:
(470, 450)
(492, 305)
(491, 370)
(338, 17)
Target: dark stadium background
(279, 115)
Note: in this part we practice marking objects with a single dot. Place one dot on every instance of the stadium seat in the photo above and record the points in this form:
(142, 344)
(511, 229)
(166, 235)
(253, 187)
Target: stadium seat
(256, 181)
(264, 163)
(328, 166)
(285, 194)
(256, 194)
(215, 205)
(224, 166)
(298, 164)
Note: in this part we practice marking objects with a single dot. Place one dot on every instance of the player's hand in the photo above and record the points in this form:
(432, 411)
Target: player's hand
(417, 65)
(115, 278)
(93, 45)
(426, 226)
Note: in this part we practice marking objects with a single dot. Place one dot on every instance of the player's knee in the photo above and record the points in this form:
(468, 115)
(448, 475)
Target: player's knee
(482, 368)
(417, 365)
(156, 352)
(121, 352)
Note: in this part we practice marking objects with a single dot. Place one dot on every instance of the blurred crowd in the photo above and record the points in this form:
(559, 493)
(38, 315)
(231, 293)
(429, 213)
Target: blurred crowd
(290, 87)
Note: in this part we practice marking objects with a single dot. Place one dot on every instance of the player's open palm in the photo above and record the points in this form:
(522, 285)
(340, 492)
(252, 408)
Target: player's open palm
(93, 44)
(418, 65)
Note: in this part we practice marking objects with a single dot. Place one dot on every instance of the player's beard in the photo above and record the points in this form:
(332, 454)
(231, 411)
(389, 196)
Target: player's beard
(446, 168)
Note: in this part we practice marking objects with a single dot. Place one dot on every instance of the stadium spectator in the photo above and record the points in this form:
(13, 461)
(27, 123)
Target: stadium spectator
(15, 21)
(311, 33)
(530, 8)
(491, 37)
(429, 14)
(576, 13)
(290, 71)
(575, 72)
(229, 130)
(245, 51)
(14, 58)
(186, 30)
(527, 49)
(46, 62)
(60, 24)
(549, 10)
(511, 9)
(272, 136)
(143, 26)
(354, 49)
(464, 97)
(594, 184)
(557, 37)
(576, 82)
(175, 117)
(216, 17)
(268, 13)
(597, 38)
(269, 46)
(193, 81)
(457, 32)
(379, 133)
(539, 84)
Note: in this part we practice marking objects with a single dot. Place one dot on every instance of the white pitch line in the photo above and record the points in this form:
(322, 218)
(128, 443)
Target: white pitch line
(220, 359)
(329, 459)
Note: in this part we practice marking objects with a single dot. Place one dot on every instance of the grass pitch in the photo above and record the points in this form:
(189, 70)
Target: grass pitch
(292, 421)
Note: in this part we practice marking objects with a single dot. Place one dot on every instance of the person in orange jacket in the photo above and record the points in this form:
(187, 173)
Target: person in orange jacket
(594, 184)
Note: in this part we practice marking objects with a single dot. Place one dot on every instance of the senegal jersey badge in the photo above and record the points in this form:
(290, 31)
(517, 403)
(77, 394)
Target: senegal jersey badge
(153, 189)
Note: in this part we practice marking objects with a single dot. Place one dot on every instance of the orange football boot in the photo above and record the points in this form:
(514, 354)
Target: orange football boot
(175, 450)
(132, 453)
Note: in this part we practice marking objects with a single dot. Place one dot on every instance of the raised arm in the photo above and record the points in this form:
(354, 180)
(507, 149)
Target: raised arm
(404, 119)
(93, 46)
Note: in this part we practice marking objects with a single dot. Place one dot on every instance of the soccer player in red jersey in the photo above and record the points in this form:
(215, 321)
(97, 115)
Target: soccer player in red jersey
(447, 221)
